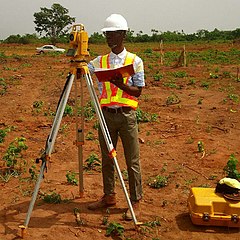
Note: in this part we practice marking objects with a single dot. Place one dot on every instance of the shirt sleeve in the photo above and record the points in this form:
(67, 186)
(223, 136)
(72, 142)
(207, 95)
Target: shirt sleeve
(138, 78)
(95, 63)
(91, 66)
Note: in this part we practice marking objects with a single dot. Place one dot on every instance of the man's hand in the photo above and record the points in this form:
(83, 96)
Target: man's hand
(117, 80)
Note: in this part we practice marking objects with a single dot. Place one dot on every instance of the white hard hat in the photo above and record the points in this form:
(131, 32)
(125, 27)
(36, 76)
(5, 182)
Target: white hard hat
(115, 22)
(231, 182)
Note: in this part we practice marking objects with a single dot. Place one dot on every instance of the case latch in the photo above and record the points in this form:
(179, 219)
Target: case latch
(206, 217)
(235, 218)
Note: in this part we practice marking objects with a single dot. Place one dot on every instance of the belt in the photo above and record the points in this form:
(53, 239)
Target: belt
(117, 110)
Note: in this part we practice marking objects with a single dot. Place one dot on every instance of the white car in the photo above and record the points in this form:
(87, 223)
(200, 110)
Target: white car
(49, 48)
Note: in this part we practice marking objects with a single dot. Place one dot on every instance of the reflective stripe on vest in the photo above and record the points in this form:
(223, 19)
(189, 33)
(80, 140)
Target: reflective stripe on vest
(112, 95)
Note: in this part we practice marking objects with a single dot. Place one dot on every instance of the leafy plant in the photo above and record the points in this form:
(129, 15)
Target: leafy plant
(158, 181)
(105, 219)
(3, 86)
(68, 111)
(92, 162)
(191, 81)
(205, 85)
(226, 74)
(172, 99)
(90, 136)
(148, 226)
(9, 69)
(200, 146)
(150, 66)
(190, 140)
(170, 84)
(125, 174)
(14, 151)
(88, 111)
(153, 224)
(3, 134)
(3, 55)
(53, 198)
(234, 97)
(38, 105)
(200, 101)
(157, 76)
(25, 65)
(79, 220)
(231, 168)
(5, 176)
(71, 178)
(32, 172)
(114, 229)
(148, 50)
(12, 158)
(96, 125)
(145, 117)
(213, 75)
(63, 128)
(179, 74)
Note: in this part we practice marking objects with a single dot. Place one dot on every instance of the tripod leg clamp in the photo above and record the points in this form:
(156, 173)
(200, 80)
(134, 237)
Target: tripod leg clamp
(112, 153)
(78, 143)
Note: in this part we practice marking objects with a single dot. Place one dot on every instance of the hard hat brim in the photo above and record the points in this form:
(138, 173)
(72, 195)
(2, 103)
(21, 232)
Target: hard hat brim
(111, 29)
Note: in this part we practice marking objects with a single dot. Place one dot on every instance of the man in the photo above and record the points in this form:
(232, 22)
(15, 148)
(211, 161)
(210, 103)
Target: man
(118, 100)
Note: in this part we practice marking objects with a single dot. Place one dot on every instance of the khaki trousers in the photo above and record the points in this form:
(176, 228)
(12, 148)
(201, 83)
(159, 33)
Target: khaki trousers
(123, 124)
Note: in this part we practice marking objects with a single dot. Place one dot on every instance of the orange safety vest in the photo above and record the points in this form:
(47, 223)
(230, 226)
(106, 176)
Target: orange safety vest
(112, 95)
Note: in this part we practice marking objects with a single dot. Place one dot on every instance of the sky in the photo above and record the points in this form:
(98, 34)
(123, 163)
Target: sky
(142, 15)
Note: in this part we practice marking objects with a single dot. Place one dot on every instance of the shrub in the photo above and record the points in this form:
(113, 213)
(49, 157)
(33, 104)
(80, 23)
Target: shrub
(158, 181)
(71, 178)
(14, 152)
(114, 229)
(231, 168)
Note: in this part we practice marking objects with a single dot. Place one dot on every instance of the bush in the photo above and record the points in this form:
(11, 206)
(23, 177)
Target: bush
(231, 168)
(158, 181)
(25, 39)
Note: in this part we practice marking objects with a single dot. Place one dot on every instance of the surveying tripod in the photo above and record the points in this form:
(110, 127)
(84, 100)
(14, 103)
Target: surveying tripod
(78, 67)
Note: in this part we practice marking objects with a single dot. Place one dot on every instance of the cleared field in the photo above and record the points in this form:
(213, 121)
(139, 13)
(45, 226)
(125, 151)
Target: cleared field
(180, 107)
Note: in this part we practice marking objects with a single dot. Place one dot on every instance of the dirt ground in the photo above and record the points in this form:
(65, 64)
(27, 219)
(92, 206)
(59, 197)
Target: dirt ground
(197, 108)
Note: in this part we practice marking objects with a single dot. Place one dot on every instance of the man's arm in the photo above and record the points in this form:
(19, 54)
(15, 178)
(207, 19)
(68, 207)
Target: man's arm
(131, 90)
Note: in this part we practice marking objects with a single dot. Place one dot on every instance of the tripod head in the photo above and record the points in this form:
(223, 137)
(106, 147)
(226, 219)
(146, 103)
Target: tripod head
(78, 43)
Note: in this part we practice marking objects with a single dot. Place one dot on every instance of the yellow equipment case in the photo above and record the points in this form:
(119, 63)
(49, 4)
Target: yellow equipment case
(209, 208)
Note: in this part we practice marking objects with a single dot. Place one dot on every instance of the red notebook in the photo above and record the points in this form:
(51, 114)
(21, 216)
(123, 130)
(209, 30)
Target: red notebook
(106, 74)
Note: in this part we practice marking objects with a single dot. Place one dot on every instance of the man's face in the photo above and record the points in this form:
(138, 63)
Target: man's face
(114, 38)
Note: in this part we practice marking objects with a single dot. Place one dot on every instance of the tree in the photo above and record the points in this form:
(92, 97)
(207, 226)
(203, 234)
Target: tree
(96, 38)
(236, 33)
(202, 34)
(53, 22)
(129, 36)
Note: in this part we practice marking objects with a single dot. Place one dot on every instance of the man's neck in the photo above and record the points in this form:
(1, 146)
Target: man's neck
(118, 49)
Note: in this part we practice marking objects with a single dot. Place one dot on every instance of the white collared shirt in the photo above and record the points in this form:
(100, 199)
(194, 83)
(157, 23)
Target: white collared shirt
(117, 60)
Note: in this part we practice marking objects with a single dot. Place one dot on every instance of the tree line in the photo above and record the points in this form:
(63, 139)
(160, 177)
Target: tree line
(201, 35)
(175, 36)
(53, 26)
